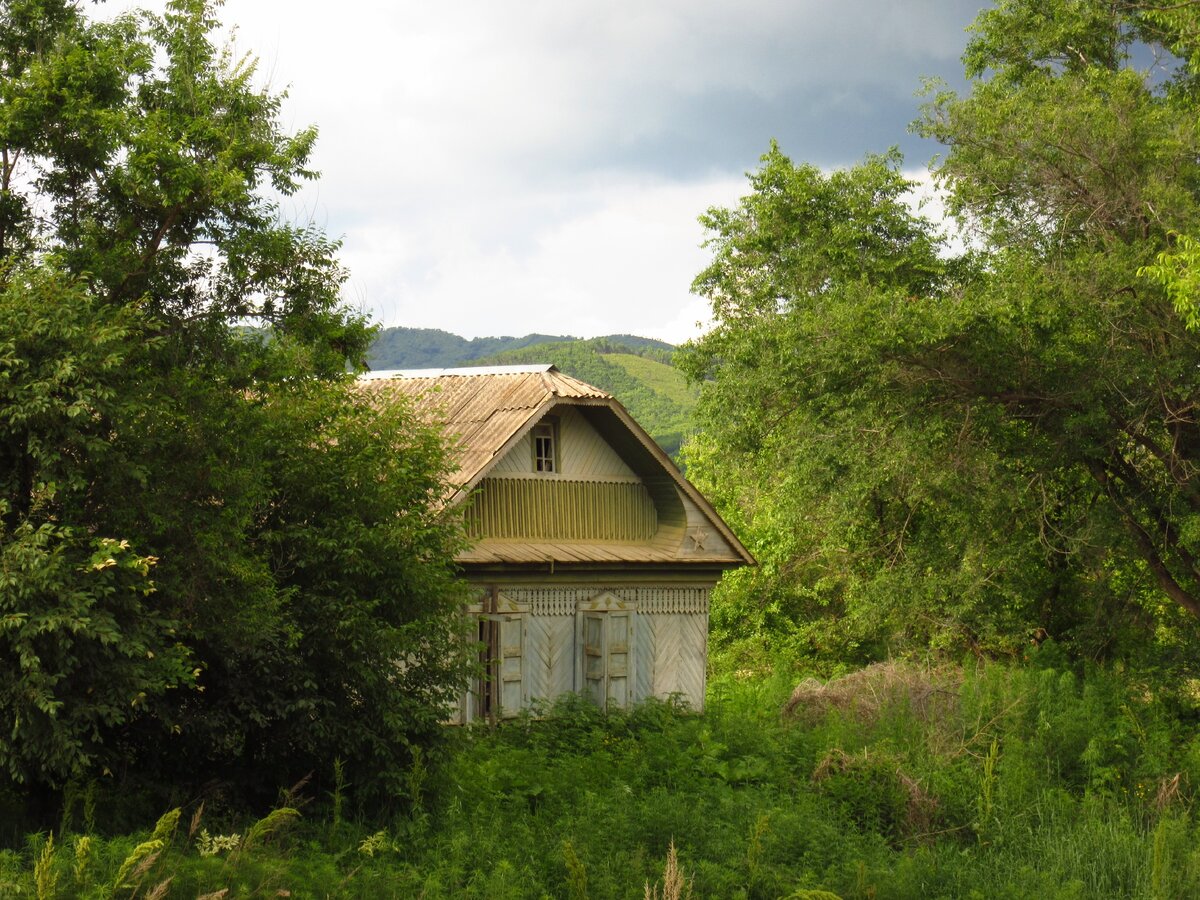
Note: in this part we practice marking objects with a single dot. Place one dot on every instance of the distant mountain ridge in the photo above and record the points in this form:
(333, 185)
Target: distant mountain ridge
(432, 348)
(635, 370)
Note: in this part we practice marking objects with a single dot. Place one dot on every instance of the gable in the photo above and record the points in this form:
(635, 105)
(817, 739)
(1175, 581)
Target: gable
(582, 452)
(606, 494)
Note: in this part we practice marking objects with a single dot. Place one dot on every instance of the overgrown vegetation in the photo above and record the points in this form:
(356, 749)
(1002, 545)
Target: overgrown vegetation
(1029, 782)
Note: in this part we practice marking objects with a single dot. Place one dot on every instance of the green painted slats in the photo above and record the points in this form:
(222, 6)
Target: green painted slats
(561, 510)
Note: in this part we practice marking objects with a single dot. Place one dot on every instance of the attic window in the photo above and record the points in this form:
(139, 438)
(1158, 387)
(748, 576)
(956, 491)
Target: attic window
(544, 447)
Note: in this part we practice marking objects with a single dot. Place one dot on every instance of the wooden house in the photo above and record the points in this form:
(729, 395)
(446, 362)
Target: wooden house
(593, 557)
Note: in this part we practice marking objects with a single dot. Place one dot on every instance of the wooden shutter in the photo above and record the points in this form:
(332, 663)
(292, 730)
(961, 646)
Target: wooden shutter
(595, 661)
(502, 693)
(511, 665)
(619, 657)
(606, 643)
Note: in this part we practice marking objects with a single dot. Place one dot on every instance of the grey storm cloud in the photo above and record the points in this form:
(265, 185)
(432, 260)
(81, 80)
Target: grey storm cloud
(694, 87)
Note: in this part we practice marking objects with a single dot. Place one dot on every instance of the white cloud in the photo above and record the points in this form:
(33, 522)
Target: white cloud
(622, 263)
(538, 165)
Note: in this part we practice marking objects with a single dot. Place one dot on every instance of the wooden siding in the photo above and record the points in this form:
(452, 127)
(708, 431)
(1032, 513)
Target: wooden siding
(645, 648)
(551, 643)
(561, 510)
(546, 600)
(678, 656)
(701, 538)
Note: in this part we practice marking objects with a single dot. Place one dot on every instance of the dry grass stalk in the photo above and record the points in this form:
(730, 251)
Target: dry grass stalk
(143, 867)
(1168, 791)
(931, 693)
(834, 762)
(674, 885)
(215, 895)
(292, 797)
(160, 890)
(195, 824)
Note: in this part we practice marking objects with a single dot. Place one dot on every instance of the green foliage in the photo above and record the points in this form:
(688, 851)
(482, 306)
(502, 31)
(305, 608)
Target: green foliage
(857, 801)
(45, 879)
(87, 636)
(1177, 271)
(216, 560)
(80, 871)
(861, 499)
(164, 829)
(262, 830)
(967, 453)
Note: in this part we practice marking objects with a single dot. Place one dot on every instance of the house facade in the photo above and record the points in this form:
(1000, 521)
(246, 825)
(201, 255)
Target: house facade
(593, 557)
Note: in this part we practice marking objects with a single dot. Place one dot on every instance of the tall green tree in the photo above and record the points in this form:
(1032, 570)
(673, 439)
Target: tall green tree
(1100, 363)
(973, 451)
(215, 557)
(861, 495)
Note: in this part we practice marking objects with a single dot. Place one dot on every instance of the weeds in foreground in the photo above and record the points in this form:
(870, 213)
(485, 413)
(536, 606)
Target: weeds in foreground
(1030, 782)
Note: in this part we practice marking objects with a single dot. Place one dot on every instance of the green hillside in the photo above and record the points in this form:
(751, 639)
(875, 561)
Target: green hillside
(660, 377)
(425, 348)
(654, 392)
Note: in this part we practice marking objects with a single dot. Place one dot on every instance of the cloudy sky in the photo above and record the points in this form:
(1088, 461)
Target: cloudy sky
(539, 165)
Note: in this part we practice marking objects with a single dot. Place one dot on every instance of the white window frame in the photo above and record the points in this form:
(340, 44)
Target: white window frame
(545, 463)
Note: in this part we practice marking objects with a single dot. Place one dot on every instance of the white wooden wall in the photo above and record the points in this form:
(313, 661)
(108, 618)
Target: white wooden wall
(651, 642)
(551, 642)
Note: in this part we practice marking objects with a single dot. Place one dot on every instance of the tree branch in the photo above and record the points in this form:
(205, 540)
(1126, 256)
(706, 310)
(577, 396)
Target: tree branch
(1145, 545)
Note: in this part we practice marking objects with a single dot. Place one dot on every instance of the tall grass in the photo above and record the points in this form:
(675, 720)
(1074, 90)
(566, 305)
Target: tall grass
(896, 782)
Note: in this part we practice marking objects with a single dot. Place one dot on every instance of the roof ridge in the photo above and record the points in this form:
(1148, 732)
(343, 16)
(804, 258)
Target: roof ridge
(464, 371)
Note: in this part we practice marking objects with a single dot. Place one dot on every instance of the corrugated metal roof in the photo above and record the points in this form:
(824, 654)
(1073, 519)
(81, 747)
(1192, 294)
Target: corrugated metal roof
(479, 408)
(514, 551)
(517, 551)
